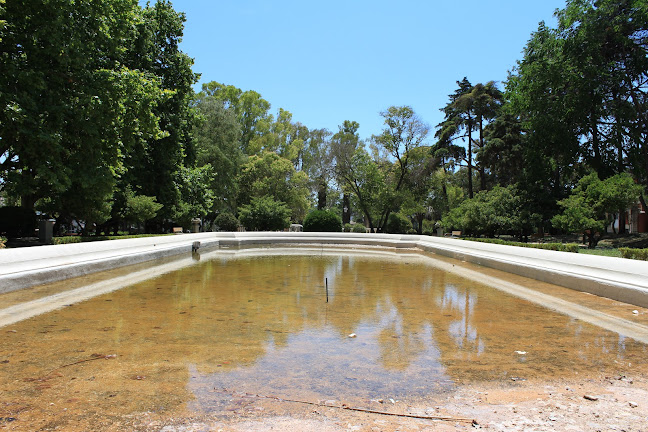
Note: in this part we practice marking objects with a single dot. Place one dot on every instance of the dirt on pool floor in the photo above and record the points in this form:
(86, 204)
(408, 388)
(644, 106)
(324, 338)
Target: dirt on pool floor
(169, 345)
(617, 403)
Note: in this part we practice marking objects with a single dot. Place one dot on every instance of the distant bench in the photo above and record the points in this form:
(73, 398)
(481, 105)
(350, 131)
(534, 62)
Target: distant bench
(177, 230)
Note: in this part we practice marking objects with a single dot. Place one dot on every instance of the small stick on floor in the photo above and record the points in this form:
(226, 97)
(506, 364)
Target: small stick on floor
(326, 281)
(346, 407)
(94, 357)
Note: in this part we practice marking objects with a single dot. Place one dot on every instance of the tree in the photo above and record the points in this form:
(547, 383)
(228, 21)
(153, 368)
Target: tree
(468, 110)
(268, 174)
(343, 146)
(67, 92)
(419, 185)
(139, 208)
(318, 164)
(194, 185)
(280, 136)
(377, 180)
(264, 214)
(403, 134)
(363, 177)
(580, 92)
(17, 221)
(216, 140)
(502, 154)
(591, 205)
(249, 108)
(154, 167)
(492, 212)
(607, 45)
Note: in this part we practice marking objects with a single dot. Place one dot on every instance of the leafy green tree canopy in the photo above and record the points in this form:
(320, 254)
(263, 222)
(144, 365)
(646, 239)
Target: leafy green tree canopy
(494, 212)
(593, 202)
(268, 174)
(139, 208)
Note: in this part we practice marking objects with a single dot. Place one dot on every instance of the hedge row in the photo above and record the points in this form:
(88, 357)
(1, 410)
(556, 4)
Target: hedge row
(637, 254)
(66, 240)
(356, 228)
(563, 247)
(79, 239)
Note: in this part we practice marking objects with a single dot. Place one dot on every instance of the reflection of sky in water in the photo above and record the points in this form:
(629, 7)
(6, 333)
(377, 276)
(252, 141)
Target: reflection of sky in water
(419, 332)
(322, 364)
(261, 324)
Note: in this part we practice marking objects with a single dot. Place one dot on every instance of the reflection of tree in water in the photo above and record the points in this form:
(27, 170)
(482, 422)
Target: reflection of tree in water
(460, 301)
(266, 319)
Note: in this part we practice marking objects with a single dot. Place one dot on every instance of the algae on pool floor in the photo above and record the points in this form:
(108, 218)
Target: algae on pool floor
(261, 324)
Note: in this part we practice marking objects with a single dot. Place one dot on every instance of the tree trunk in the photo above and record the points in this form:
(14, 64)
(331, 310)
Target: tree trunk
(28, 200)
(321, 196)
(470, 183)
(346, 209)
(444, 189)
(482, 171)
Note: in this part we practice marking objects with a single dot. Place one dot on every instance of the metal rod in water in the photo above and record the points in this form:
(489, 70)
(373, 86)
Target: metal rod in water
(326, 280)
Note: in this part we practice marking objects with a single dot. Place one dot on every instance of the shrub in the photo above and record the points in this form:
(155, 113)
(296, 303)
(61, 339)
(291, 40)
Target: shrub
(322, 221)
(563, 247)
(637, 254)
(84, 239)
(398, 224)
(348, 227)
(429, 226)
(265, 214)
(359, 228)
(140, 208)
(66, 240)
(497, 211)
(119, 237)
(3, 241)
(17, 221)
(589, 207)
(227, 222)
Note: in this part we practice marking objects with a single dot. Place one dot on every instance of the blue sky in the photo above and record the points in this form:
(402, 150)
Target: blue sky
(330, 61)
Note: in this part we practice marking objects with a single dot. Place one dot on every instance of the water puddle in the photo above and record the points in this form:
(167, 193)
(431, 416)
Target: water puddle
(395, 326)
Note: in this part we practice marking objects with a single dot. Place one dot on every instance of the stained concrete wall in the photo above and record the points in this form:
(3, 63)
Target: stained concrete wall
(616, 278)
